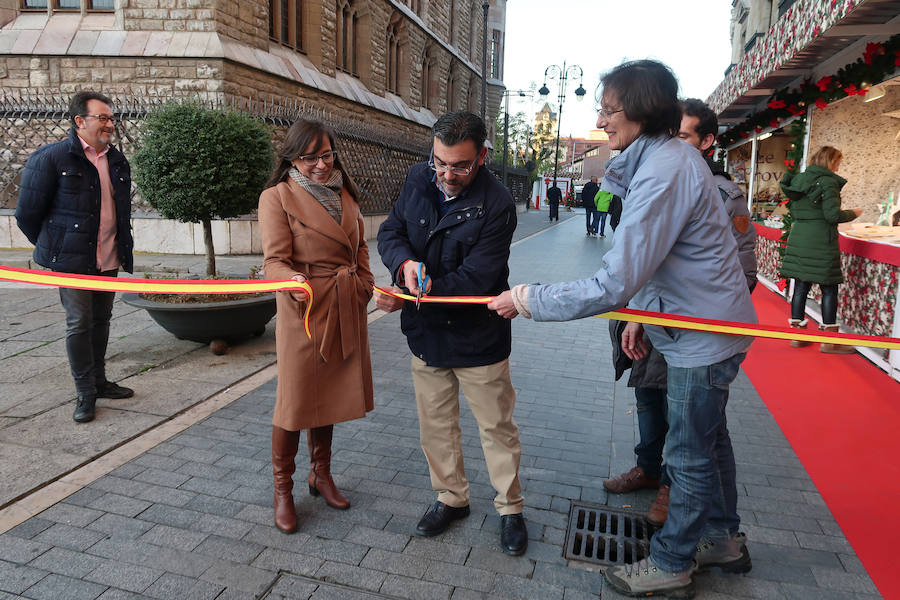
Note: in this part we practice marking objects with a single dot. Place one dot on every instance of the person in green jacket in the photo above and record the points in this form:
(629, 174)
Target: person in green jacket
(812, 254)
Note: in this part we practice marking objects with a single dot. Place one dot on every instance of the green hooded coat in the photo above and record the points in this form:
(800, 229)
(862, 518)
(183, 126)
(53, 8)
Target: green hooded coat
(812, 253)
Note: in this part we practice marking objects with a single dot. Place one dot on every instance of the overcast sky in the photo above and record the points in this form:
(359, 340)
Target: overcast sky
(691, 36)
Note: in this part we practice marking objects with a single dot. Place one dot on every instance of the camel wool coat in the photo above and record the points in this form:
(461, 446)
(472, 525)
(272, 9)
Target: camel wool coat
(326, 379)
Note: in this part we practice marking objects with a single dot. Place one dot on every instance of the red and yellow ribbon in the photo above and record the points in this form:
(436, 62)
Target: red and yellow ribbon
(238, 286)
(158, 286)
(699, 324)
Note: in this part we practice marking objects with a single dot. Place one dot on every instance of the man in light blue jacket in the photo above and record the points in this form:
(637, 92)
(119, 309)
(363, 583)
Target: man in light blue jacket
(673, 253)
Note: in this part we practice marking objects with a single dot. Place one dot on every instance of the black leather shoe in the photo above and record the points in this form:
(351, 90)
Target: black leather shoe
(513, 534)
(111, 390)
(84, 409)
(438, 517)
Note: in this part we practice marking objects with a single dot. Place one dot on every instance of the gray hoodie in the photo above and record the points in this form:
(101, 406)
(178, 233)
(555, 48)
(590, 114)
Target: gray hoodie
(673, 252)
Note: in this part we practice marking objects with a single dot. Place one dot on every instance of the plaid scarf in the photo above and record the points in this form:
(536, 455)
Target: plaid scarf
(327, 194)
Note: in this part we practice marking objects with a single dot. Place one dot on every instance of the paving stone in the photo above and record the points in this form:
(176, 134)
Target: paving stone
(841, 580)
(324, 528)
(119, 527)
(238, 551)
(414, 589)
(460, 576)
(163, 478)
(272, 559)
(155, 461)
(20, 550)
(289, 588)
(128, 470)
(497, 562)
(16, 579)
(239, 577)
(344, 574)
(30, 528)
(436, 550)
(334, 550)
(120, 505)
(205, 471)
(177, 587)
(114, 594)
(71, 514)
(377, 538)
(393, 562)
(224, 526)
(165, 559)
(65, 562)
(209, 486)
(222, 507)
(270, 537)
(561, 576)
(54, 587)
(173, 537)
(526, 589)
(170, 515)
(132, 578)
(158, 494)
(69, 537)
(801, 592)
(118, 485)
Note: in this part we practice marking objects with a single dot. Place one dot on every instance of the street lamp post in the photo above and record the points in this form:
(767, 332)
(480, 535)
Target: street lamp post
(506, 95)
(561, 74)
(485, 5)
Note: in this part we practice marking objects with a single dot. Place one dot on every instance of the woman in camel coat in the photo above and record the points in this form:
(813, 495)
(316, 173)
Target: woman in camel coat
(312, 230)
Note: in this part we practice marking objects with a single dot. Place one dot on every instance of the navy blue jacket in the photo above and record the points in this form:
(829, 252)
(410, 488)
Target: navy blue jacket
(59, 206)
(466, 252)
(587, 195)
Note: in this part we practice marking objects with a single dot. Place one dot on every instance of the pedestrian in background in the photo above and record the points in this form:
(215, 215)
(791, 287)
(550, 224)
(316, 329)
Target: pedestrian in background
(590, 209)
(602, 201)
(449, 234)
(75, 207)
(813, 253)
(312, 231)
(674, 253)
(554, 197)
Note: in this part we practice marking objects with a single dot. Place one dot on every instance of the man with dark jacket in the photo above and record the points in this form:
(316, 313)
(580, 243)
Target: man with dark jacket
(75, 207)
(591, 218)
(554, 197)
(448, 234)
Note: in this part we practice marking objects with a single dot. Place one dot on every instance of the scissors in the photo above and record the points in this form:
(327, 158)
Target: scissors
(423, 281)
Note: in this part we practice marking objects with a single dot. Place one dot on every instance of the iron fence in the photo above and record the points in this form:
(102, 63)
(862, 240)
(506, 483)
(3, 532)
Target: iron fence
(377, 157)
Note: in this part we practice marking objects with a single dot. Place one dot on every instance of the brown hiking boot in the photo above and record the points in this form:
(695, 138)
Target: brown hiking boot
(659, 510)
(834, 348)
(635, 479)
(798, 324)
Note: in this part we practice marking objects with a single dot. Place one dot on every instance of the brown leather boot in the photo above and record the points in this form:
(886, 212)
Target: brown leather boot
(834, 348)
(635, 479)
(659, 510)
(798, 324)
(284, 449)
(320, 482)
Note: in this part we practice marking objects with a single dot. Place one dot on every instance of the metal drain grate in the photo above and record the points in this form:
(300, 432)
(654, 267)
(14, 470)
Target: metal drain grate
(604, 536)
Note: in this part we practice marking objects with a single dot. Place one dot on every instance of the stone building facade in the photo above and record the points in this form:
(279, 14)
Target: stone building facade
(397, 64)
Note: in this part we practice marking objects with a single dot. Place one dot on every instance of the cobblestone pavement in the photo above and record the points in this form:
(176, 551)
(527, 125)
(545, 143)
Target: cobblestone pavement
(191, 517)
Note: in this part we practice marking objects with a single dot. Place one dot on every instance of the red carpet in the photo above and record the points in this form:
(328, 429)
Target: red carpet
(841, 415)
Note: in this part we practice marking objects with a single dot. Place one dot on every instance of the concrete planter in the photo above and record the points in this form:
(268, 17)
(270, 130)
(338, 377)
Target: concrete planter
(205, 322)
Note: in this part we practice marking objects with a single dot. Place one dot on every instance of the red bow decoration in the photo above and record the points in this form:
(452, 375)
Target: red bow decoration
(824, 83)
(776, 104)
(821, 104)
(782, 285)
(873, 49)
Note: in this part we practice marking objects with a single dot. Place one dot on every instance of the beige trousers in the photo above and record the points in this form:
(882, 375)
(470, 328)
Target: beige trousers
(491, 399)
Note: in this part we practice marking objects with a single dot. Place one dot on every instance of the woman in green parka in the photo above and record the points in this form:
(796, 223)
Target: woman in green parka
(812, 254)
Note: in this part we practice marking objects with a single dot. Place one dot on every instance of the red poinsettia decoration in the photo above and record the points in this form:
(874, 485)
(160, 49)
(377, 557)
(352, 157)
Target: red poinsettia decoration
(776, 104)
(773, 123)
(824, 83)
(821, 104)
(757, 129)
(744, 134)
(789, 163)
(873, 49)
(794, 109)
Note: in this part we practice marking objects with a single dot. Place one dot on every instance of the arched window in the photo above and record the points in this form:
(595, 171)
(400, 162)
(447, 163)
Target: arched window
(396, 42)
(346, 37)
(428, 75)
(286, 22)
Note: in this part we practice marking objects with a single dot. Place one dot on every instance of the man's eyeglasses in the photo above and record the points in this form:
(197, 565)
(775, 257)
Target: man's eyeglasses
(104, 119)
(440, 167)
(311, 160)
(606, 114)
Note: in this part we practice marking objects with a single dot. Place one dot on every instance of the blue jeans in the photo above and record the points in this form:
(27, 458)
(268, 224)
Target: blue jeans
(700, 463)
(599, 225)
(651, 414)
(87, 333)
(588, 215)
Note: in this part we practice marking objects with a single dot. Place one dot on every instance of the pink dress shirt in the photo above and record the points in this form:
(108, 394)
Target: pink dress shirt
(107, 249)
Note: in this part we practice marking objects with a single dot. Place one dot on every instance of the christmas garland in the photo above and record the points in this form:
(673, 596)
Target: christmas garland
(878, 61)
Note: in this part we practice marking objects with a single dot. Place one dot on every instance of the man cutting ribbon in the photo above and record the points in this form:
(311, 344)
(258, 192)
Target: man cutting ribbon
(449, 234)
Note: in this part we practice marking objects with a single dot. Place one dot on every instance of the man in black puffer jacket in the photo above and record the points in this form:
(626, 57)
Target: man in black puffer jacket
(453, 223)
(75, 207)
